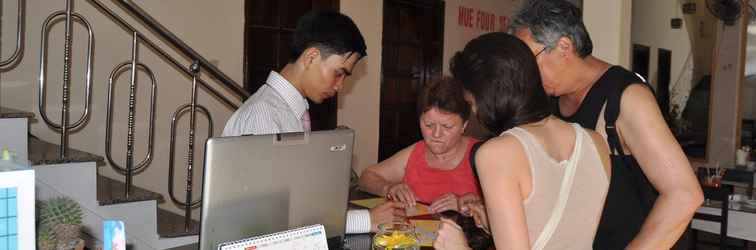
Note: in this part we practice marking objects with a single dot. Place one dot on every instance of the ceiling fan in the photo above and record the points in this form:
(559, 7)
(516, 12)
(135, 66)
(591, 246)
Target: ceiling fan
(726, 10)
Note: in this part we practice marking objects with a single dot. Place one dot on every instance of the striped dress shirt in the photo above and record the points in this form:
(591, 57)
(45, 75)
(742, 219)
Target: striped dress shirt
(277, 107)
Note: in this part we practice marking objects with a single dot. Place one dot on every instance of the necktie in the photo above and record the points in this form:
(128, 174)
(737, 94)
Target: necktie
(306, 126)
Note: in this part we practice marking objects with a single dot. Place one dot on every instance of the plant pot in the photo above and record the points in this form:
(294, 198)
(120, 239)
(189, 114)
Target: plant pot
(46, 245)
(77, 244)
(66, 233)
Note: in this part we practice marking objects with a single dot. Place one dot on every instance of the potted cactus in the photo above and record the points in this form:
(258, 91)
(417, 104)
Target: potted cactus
(59, 221)
(45, 239)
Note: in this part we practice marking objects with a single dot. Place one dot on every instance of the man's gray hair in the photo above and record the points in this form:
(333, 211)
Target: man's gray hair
(549, 20)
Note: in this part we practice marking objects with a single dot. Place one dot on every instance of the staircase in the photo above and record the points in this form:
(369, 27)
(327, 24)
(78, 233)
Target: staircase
(148, 227)
(89, 177)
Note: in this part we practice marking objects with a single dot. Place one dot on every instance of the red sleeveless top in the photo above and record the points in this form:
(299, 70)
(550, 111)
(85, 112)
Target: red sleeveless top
(428, 183)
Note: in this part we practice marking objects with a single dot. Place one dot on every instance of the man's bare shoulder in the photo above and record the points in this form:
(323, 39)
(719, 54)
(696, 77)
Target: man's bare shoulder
(638, 97)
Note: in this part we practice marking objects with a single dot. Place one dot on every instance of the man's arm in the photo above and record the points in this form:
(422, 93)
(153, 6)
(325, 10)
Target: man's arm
(662, 160)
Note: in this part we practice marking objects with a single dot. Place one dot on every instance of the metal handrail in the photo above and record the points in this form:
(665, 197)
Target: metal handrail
(129, 170)
(162, 32)
(108, 138)
(19, 38)
(65, 127)
(120, 21)
(192, 107)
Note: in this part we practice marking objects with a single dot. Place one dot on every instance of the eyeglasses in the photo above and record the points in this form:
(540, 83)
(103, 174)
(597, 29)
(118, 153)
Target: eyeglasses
(539, 52)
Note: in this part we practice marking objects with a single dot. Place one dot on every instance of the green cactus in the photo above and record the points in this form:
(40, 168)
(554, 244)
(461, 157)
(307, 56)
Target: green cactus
(59, 222)
(59, 211)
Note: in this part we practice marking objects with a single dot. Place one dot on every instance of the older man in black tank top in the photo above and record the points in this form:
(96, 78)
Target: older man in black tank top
(653, 192)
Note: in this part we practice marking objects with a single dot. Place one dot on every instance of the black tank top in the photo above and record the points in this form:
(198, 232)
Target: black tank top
(630, 196)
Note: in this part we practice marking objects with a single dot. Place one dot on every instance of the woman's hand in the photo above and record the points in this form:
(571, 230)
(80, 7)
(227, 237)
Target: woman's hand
(447, 201)
(401, 192)
(466, 199)
(450, 237)
(478, 212)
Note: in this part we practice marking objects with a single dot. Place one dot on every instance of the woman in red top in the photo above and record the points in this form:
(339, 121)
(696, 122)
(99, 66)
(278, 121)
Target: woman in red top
(435, 170)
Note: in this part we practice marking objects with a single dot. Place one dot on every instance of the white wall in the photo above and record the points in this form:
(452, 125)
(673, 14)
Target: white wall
(607, 23)
(359, 104)
(213, 28)
(651, 27)
(457, 35)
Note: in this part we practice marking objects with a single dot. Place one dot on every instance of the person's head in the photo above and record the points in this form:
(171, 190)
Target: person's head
(325, 45)
(555, 33)
(443, 115)
(501, 75)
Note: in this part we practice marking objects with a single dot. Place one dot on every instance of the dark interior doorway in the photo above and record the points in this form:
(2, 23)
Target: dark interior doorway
(268, 27)
(641, 57)
(663, 77)
(413, 35)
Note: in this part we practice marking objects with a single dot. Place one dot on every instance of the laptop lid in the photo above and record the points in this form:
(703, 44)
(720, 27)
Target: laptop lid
(259, 184)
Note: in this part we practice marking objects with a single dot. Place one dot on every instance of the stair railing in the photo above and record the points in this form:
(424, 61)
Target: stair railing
(65, 127)
(192, 107)
(5, 64)
(129, 170)
(135, 11)
(172, 61)
(193, 71)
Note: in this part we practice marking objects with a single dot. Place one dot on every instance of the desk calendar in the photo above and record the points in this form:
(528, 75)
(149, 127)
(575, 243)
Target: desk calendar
(304, 238)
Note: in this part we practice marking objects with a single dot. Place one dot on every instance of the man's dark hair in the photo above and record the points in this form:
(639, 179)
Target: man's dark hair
(445, 94)
(329, 31)
(549, 20)
(500, 71)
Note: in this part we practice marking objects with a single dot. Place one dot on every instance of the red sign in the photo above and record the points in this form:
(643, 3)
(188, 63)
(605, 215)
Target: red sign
(479, 19)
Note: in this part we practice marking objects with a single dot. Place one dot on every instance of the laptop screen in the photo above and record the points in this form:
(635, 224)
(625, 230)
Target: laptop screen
(260, 184)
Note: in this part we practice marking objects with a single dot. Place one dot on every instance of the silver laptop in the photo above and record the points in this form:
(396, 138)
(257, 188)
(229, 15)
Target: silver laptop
(260, 184)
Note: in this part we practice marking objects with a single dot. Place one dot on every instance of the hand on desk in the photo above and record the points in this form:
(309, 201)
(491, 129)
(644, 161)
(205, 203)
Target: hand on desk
(401, 192)
(447, 201)
(386, 212)
(468, 198)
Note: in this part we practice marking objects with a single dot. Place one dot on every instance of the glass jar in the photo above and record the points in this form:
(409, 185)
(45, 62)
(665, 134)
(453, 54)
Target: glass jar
(396, 236)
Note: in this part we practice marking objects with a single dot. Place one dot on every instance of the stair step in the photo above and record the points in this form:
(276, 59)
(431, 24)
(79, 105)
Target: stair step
(171, 225)
(14, 113)
(45, 153)
(110, 191)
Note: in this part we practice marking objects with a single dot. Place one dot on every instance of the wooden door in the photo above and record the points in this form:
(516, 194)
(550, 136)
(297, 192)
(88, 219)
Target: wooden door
(413, 35)
(268, 28)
